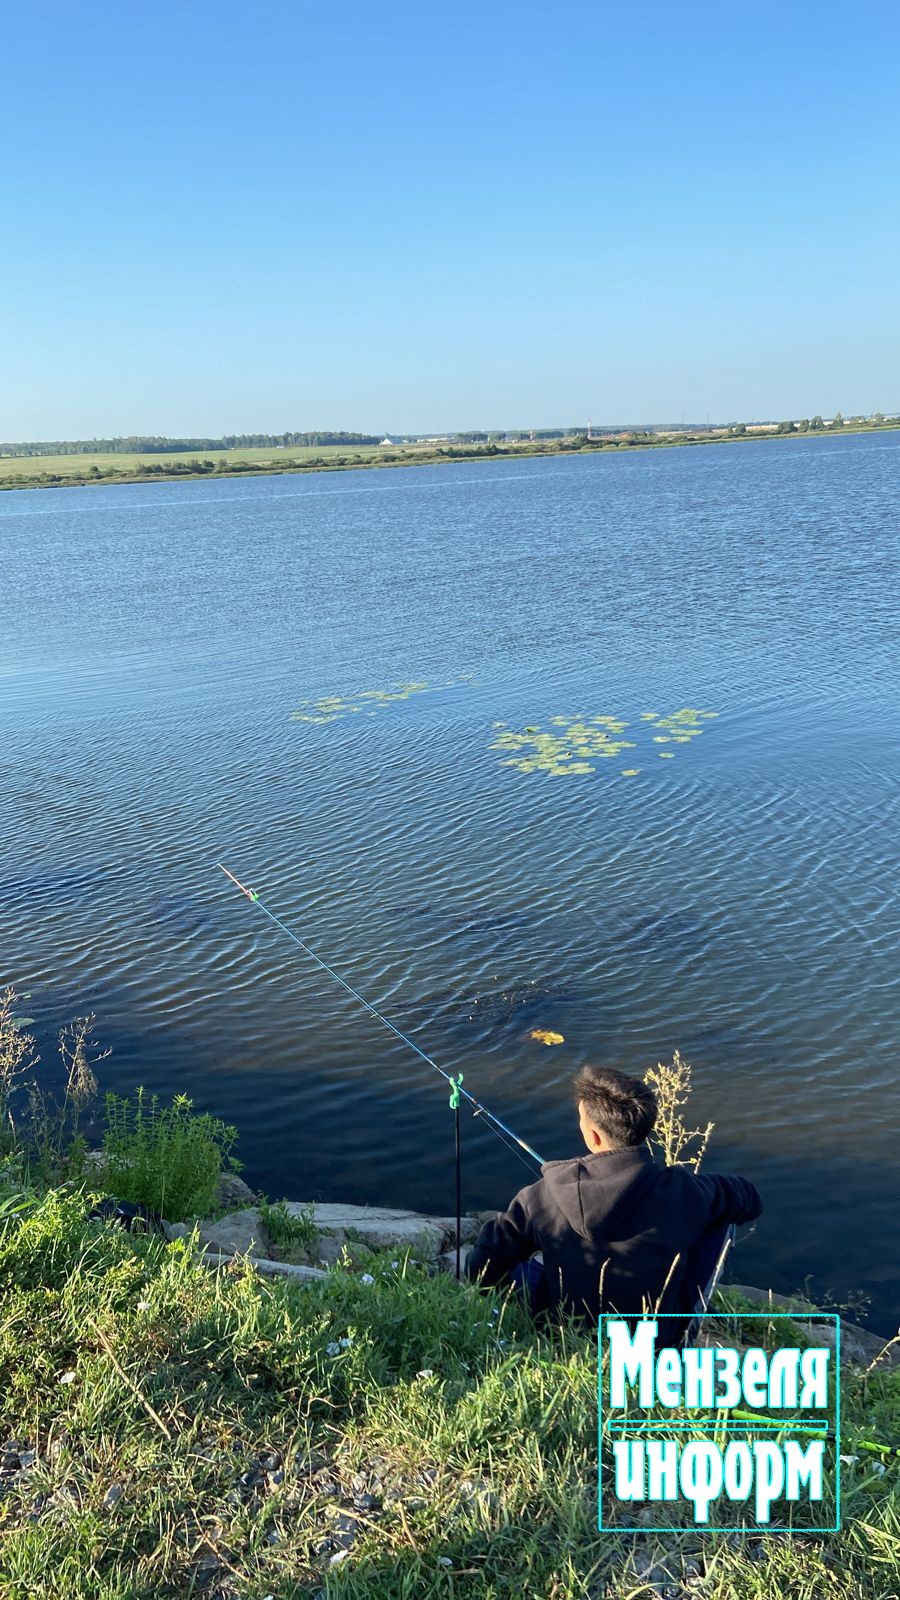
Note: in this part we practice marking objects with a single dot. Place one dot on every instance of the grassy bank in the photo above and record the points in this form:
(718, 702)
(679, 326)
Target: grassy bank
(170, 1431)
(171, 1427)
(73, 471)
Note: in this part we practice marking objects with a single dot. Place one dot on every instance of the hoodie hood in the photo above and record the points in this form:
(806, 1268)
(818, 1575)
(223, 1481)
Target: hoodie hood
(597, 1192)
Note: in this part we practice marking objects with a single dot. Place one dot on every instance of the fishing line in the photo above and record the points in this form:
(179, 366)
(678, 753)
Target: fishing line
(504, 1133)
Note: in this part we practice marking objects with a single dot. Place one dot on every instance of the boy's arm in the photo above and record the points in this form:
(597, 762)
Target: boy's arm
(502, 1244)
(730, 1199)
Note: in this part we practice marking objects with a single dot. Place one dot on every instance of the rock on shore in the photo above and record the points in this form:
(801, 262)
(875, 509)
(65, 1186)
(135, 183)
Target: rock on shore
(304, 1239)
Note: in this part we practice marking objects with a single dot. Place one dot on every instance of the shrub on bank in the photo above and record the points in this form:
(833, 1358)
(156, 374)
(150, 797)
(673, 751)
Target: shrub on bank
(168, 1158)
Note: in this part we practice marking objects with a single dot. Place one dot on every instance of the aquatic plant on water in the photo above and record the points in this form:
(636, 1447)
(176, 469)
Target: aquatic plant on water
(573, 745)
(330, 707)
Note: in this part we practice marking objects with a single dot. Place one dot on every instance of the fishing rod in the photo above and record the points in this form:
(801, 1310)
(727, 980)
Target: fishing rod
(500, 1128)
(787, 1423)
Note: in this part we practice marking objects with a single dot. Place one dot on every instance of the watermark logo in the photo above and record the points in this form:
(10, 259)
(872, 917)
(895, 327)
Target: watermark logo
(716, 1435)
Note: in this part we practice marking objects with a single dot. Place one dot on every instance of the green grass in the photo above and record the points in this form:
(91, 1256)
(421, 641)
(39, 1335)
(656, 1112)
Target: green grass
(78, 466)
(285, 1230)
(213, 1434)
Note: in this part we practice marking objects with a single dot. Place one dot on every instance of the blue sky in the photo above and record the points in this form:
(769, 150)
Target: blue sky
(222, 217)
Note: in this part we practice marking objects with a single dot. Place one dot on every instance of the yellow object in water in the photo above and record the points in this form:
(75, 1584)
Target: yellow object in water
(545, 1036)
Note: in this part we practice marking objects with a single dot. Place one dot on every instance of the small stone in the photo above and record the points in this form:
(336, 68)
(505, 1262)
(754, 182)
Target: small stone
(113, 1495)
(234, 1192)
(446, 1261)
(286, 1269)
(364, 1502)
(239, 1233)
(67, 1377)
(27, 1458)
(329, 1248)
(339, 1556)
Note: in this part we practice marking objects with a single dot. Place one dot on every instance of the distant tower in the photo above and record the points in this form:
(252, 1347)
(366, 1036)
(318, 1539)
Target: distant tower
(590, 435)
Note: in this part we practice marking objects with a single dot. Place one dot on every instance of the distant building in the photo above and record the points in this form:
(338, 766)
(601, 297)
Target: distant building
(388, 440)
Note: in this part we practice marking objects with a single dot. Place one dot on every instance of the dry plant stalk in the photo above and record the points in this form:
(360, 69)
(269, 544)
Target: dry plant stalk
(879, 1361)
(17, 1055)
(671, 1083)
(80, 1054)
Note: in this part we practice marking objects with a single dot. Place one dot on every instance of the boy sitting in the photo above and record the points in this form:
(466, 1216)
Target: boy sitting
(616, 1229)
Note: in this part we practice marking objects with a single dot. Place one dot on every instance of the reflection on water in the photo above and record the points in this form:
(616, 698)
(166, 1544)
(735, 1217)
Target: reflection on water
(735, 901)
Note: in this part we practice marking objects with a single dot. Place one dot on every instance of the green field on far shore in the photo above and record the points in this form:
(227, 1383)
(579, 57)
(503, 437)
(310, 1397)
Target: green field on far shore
(58, 471)
(79, 466)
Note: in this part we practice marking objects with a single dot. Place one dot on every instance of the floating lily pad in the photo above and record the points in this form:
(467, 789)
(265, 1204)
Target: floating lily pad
(573, 744)
(328, 707)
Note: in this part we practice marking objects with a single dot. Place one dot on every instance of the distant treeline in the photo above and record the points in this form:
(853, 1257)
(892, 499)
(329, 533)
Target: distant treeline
(153, 444)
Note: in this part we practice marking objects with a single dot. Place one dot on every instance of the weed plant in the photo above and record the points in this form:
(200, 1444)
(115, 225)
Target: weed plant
(289, 1230)
(166, 1157)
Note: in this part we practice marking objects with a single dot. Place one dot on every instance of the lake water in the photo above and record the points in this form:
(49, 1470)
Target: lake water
(736, 902)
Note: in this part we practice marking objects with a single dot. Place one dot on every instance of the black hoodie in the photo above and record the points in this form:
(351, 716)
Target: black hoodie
(614, 1225)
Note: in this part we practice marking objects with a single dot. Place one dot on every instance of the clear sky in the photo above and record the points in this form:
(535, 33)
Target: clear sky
(227, 217)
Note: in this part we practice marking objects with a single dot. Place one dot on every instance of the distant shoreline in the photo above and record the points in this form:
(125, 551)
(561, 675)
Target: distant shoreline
(197, 468)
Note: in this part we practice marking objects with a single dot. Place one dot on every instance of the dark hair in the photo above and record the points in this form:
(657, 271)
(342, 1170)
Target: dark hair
(623, 1108)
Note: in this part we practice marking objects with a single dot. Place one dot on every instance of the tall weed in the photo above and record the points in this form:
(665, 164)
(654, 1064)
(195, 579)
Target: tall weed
(676, 1142)
(164, 1157)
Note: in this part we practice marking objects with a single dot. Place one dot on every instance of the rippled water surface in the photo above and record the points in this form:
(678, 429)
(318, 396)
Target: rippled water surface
(737, 901)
